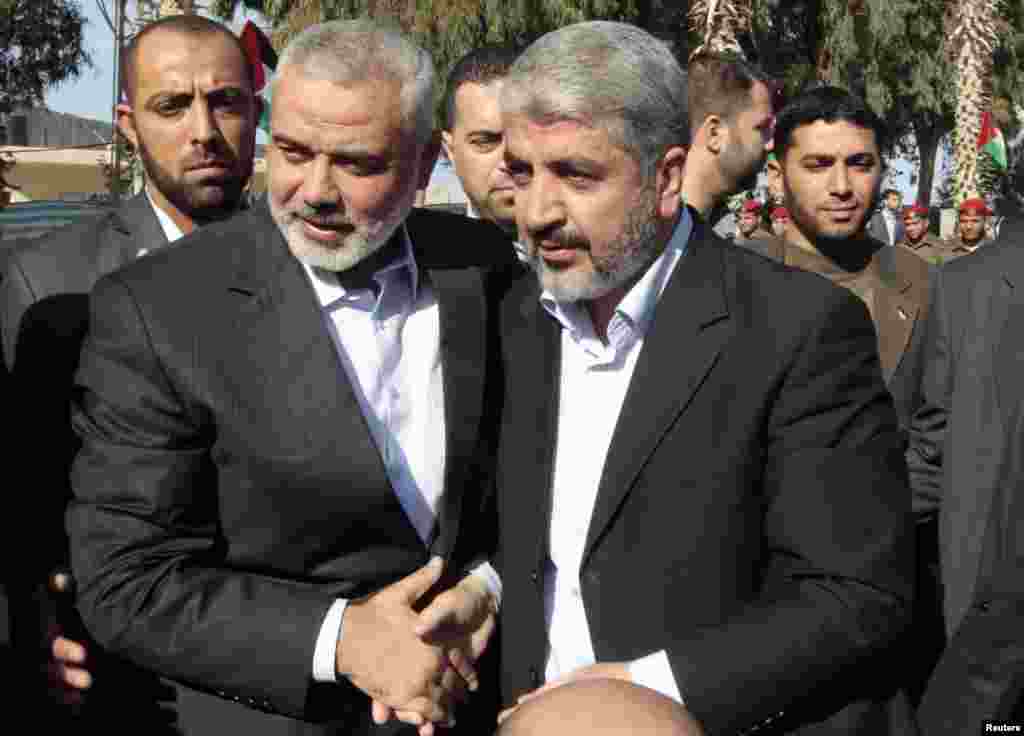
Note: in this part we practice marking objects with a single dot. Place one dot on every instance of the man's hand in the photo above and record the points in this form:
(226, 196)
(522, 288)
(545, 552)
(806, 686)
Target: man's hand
(597, 671)
(66, 673)
(461, 620)
(380, 654)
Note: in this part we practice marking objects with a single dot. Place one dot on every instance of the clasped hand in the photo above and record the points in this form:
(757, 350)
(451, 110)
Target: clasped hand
(417, 667)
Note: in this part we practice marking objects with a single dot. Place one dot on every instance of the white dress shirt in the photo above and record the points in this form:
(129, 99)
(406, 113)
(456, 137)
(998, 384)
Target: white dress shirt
(890, 224)
(171, 230)
(389, 345)
(594, 379)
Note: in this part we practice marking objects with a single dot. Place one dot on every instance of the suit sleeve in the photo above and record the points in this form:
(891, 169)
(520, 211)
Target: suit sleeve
(18, 296)
(929, 423)
(143, 526)
(837, 545)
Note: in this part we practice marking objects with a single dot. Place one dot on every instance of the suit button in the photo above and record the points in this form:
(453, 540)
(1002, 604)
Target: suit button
(535, 677)
(984, 606)
(535, 576)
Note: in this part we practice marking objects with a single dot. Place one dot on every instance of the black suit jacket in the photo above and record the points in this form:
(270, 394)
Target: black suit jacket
(228, 489)
(43, 318)
(878, 230)
(752, 517)
(966, 461)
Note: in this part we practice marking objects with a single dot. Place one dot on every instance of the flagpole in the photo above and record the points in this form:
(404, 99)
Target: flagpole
(115, 177)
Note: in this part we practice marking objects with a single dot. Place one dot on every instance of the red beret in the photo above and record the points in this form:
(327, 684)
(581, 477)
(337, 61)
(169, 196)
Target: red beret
(918, 210)
(780, 213)
(751, 205)
(974, 206)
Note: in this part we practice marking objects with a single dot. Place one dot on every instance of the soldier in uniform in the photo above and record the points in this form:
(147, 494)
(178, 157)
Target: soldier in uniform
(916, 237)
(970, 229)
(751, 233)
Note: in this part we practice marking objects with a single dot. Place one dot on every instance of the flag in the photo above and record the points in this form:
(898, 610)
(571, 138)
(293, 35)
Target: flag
(263, 60)
(992, 142)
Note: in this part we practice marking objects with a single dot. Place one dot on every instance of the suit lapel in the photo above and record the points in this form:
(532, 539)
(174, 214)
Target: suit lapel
(1008, 310)
(532, 355)
(293, 361)
(137, 227)
(463, 315)
(689, 329)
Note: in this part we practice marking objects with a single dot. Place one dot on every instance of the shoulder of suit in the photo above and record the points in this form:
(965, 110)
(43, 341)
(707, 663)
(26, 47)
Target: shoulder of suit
(65, 253)
(448, 240)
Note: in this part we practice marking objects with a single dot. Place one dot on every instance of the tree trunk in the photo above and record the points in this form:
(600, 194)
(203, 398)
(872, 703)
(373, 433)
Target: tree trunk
(973, 42)
(928, 138)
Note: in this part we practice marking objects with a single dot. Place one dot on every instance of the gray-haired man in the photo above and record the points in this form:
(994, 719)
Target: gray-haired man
(272, 454)
(736, 539)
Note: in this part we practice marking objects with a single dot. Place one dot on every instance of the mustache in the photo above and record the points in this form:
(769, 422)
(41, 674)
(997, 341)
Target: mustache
(563, 237)
(322, 217)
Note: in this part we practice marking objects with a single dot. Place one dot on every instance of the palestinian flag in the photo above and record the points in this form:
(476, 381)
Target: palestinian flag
(263, 60)
(992, 142)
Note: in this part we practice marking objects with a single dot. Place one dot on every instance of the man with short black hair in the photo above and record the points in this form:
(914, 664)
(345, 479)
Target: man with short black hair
(886, 224)
(731, 106)
(191, 113)
(473, 137)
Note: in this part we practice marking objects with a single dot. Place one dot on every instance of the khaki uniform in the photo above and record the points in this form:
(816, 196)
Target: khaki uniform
(931, 248)
(895, 288)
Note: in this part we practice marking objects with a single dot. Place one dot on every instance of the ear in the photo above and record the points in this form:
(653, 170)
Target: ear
(712, 134)
(126, 123)
(428, 158)
(669, 184)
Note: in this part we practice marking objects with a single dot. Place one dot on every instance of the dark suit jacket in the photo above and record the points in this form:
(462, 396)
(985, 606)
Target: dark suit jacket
(967, 465)
(753, 512)
(878, 230)
(228, 489)
(43, 315)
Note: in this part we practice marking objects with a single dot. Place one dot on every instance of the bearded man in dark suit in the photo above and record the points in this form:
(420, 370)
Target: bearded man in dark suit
(191, 113)
(736, 539)
(272, 453)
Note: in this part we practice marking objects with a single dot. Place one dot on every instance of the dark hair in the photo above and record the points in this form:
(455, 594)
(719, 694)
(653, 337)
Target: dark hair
(480, 66)
(186, 25)
(832, 105)
(719, 85)
(887, 192)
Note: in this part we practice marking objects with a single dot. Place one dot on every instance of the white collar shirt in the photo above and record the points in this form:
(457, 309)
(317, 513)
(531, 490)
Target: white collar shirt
(389, 345)
(595, 377)
(170, 228)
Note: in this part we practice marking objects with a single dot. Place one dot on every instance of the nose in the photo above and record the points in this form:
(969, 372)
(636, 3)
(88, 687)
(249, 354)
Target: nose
(204, 127)
(540, 205)
(318, 187)
(839, 182)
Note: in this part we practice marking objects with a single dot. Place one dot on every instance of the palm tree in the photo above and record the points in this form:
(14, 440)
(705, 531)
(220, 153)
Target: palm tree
(720, 23)
(971, 43)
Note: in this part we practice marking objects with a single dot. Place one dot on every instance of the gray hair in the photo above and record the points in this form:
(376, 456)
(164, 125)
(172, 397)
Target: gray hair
(345, 51)
(606, 74)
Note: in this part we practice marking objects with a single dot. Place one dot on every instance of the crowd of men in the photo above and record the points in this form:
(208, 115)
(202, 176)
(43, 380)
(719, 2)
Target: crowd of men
(332, 464)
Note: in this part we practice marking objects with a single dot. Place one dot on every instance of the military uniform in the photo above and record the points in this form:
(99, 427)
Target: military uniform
(954, 248)
(930, 248)
(761, 241)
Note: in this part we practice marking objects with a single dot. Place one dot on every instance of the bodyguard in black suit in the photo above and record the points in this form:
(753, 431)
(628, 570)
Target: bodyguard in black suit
(737, 534)
(252, 498)
(965, 460)
(196, 145)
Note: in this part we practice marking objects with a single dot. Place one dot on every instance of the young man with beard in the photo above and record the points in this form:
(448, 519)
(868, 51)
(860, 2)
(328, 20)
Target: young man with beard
(916, 237)
(191, 114)
(734, 539)
(828, 148)
(271, 457)
(731, 118)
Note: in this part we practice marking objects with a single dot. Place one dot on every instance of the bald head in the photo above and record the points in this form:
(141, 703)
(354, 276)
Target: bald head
(600, 708)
